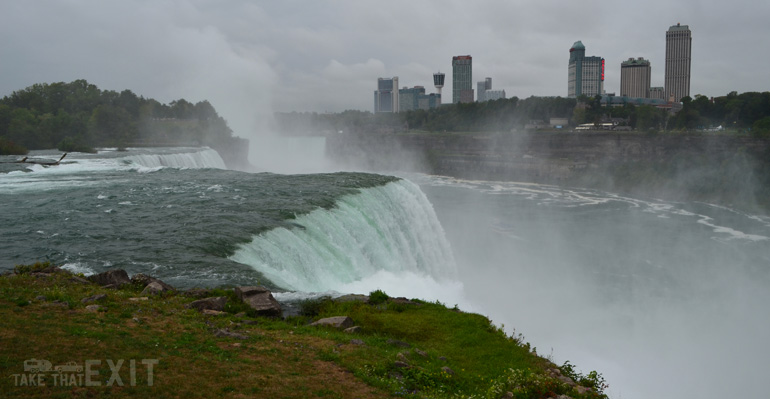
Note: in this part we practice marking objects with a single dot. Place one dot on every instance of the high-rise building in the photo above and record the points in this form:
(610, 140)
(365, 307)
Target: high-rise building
(462, 79)
(585, 75)
(635, 78)
(678, 60)
(480, 91)
(386, 95)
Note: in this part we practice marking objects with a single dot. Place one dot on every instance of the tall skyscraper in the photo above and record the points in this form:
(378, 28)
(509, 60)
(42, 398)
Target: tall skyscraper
(585, 75)
(635, 78)
(386, 95)
(678, 60)
(462, 79)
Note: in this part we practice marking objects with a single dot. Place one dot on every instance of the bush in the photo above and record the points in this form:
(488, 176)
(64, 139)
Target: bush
(377, 297)
(36, 267)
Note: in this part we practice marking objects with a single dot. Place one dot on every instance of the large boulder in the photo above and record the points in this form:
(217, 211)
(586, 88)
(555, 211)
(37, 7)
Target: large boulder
(341, 322)
(260, 299)
(213, 303)
(144, 280)
(156, 287)
(113, 278)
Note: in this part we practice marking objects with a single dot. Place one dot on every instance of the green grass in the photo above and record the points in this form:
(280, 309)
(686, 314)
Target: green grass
(280, 358)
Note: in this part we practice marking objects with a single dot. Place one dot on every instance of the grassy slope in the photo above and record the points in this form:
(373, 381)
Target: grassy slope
(280, 358)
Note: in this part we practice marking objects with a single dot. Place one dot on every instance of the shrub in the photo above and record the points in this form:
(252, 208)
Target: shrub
(377, 297)
(36, 267)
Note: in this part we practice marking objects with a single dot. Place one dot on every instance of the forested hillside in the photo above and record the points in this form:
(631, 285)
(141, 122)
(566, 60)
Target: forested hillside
(78, 116)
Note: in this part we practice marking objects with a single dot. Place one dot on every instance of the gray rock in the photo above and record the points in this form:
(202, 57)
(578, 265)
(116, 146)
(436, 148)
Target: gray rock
(250, 322)
(93, 308)
(442, 358)
(566, 380)
(116, 278)
(229, 334)
(403, 301)
(353, 330)
(260, 299)
(402, 357)
(421, 353)
(213, 303)
(144, 280)
(448, 370)
(400, 364)
(94, 298)
(357, 342)
(79, 280)
(341, 322)
(156, 288)
(40, 298)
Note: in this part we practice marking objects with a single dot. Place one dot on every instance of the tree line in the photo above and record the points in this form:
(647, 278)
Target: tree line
(78, 116)
(747, 112)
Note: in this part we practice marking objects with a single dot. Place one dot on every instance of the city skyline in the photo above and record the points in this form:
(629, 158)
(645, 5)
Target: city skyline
(250, 59)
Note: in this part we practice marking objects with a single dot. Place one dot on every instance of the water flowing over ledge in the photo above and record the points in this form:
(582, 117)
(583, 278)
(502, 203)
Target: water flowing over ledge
(386, 229)
(206, 158)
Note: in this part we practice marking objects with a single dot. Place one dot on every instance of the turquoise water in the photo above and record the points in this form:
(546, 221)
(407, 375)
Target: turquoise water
(176, 213)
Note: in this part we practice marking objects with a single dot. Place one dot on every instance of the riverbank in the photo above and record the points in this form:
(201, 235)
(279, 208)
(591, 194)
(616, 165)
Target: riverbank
(68, 336)
(732, 170)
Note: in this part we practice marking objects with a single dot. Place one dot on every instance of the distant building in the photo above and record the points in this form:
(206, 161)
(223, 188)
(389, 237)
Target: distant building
(585, 75)
(492, 95)
(386, 96)
(678, 60)
(407, 98)
(658, 93)
(485, 92)
(414, 98)
(428, 101)
(635, 78)
(462, 79)
(481, 89)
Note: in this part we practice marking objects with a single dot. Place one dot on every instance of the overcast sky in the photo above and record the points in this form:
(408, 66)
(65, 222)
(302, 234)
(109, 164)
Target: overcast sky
(249, 58)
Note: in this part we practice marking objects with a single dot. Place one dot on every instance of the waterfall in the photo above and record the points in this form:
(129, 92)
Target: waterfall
(390, 229)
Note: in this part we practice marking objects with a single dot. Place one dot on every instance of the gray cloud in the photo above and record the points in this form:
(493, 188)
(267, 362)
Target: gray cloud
(251, 57)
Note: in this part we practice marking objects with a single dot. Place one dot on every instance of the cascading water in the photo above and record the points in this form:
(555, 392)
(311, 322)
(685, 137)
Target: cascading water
(389, 229)
(206, 158)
